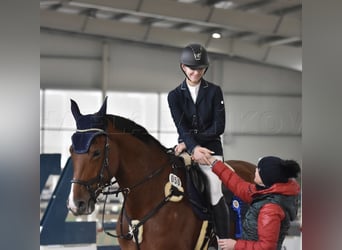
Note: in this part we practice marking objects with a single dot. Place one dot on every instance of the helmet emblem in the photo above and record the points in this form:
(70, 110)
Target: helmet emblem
(197, 56)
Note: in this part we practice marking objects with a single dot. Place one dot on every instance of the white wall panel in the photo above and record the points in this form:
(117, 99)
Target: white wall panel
(267, 115)
(140, 108)
(246, 78)
(169, 140)
(136, 68)
(57, 109)
(70, 73)
(166, 121)
(262, 125)
(250, 148)
(281, 54)
(146, 68)
(59, 45)
(57, 142)
(57, 119)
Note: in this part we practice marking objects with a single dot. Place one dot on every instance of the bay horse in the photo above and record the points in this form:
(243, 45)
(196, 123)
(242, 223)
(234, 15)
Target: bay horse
(156, 212)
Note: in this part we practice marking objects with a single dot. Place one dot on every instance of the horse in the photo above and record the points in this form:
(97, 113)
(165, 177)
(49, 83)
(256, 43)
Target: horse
(156, 212)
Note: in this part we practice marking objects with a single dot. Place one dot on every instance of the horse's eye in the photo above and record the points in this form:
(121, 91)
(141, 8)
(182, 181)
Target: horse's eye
(96, 153)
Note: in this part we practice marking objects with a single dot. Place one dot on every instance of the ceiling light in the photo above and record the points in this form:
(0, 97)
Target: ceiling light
(216, 35)
(224, 4)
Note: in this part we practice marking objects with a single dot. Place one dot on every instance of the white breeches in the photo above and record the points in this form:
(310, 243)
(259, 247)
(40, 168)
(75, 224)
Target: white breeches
(215, 184)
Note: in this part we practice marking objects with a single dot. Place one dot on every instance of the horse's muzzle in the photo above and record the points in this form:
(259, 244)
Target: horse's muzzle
(81, 207)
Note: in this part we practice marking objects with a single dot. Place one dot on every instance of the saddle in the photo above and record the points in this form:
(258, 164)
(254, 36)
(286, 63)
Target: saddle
(197, 188)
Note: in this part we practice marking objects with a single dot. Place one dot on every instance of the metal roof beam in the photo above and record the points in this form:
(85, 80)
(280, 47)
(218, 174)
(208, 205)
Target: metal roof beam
(285, 56)
(197, 14)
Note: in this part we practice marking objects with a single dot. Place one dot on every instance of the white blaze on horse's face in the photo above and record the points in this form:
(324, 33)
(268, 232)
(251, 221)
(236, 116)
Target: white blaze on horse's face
(79, 207)
(71, 204)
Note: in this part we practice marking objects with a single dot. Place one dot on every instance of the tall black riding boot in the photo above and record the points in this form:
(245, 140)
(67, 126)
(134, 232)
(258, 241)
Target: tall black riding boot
(221, 219)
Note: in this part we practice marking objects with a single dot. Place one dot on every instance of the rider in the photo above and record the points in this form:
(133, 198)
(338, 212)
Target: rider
(198, 111)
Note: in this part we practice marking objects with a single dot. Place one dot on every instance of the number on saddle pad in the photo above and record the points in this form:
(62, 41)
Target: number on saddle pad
(175, 180)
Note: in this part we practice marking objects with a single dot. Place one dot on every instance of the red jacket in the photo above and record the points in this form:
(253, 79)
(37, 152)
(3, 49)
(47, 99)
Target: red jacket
(270, 215)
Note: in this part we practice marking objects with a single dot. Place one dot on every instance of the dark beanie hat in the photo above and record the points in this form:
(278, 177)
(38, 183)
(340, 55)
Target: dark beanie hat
(273, 170)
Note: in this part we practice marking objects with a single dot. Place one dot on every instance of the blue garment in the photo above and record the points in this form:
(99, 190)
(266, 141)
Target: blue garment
(199, 123)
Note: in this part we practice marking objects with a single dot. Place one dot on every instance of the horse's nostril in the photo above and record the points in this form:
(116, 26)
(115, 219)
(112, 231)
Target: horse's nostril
(81, 206)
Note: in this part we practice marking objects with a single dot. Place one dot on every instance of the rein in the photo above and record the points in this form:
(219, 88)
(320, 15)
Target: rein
(125, 191)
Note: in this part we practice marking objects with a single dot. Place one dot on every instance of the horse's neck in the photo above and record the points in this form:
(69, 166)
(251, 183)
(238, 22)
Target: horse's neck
(143, 170)
(141, 166)
(146, 177)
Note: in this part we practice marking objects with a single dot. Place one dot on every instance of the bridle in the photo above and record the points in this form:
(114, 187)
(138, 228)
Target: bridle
(99, 179)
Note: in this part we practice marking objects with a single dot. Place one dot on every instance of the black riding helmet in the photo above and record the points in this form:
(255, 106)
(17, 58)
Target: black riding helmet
(195, 56)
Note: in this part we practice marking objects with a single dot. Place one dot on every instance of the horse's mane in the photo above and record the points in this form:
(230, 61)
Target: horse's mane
(128, 126)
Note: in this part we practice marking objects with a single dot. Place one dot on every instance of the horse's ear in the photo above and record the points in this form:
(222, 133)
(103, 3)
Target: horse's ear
(75, 110)
(103, 109)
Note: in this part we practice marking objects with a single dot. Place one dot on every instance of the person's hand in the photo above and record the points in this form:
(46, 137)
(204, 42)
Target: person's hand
(209, 159)
(180, 148)
(227, 244)
(200, 155)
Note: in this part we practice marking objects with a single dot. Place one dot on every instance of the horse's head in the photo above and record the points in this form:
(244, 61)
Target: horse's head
(89, 154)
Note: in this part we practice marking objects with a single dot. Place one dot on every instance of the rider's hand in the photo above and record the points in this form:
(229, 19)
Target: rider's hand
(180, 148)
(200, 155)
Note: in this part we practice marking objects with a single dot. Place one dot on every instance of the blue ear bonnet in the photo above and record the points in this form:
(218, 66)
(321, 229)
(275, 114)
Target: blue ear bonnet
(88, 126)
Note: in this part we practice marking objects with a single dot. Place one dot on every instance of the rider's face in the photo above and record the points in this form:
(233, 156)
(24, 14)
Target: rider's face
(194, 75)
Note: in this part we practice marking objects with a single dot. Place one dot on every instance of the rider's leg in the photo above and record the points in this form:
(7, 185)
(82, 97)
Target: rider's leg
(219, 206)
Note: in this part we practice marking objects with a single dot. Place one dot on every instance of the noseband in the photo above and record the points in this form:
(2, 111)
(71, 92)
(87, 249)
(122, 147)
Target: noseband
(99, 179)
